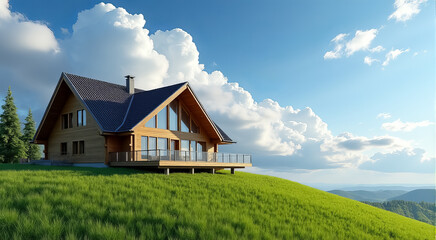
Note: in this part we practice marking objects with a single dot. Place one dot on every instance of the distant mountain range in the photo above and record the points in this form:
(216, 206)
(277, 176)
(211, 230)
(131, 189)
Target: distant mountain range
(382, 187)
(420, 195)
(418, 204)
(423, 211)
(369, 196)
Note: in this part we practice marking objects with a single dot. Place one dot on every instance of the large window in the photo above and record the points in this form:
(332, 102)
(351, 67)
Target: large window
(151, 123)
(144, 143)
(152, 146)
(201, 146)
(174, 115)
(81, 118)
(185, 145)
(162, 145)
(185, 121)
(144, 147)
(162, 119)
(67, 120)
(193, 150)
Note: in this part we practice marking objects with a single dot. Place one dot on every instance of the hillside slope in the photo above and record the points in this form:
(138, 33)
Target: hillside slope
(424, 212)
(419, 195)
(369, 196)
(64, 202)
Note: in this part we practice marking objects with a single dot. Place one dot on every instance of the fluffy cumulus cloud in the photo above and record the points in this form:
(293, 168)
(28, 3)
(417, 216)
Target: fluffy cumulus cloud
(107, 42)
(28, 53)
(406, 9)
(405, 160)
(392, 55)
(360, 42)
(400, 126)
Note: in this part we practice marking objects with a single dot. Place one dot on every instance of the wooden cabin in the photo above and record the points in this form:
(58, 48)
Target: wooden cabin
(92, 121)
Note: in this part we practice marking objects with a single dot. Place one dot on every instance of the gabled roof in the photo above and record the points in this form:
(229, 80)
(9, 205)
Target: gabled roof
(143, 103)
(113, 108)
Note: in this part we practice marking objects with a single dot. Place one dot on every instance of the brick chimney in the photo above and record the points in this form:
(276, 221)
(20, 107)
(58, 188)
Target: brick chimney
(130, 84)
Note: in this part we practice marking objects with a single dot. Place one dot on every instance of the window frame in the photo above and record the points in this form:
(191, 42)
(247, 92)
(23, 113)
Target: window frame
(81, 147)
(62, 148)
(81, 118)
(75, 147)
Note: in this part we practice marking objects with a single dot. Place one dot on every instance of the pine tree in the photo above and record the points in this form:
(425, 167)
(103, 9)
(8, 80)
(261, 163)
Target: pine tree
(11, 146)
(32, 151)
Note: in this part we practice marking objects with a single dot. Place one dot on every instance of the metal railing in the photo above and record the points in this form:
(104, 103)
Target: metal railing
(177, 155)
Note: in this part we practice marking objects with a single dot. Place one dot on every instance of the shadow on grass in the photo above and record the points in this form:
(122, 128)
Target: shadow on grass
(91, 171)
(87, 171)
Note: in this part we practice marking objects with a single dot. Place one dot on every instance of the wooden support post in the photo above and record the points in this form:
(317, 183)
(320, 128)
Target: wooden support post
(192, 171)
(232, 170)
(167, 171)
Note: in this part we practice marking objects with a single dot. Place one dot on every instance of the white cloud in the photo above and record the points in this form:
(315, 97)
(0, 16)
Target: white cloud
(107, 43)
(360, 42)
(339, 37)
(384, 115)
(406, 9)
(19, 34)
(400, 126)
(392, 55)
(368, 60)
(29, 52)
(334, 54)
(377, 49)
(405, 160)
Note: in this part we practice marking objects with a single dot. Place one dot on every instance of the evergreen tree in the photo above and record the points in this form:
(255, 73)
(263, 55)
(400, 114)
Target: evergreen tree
(11, 146)
(32, 151)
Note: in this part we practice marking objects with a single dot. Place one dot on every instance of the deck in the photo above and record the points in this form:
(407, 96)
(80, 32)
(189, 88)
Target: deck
(167, 159)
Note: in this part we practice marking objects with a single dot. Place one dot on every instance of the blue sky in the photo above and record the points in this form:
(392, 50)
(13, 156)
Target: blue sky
(276, 50)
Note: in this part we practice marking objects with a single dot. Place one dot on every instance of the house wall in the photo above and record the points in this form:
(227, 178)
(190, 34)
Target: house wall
(94, 142)
(140, 130)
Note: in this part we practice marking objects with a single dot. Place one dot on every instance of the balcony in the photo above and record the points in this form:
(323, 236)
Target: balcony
(179, 159)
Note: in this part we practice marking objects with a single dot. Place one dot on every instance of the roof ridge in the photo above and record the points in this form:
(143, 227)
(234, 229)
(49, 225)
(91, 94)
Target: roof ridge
(93, 79)
(119, 85)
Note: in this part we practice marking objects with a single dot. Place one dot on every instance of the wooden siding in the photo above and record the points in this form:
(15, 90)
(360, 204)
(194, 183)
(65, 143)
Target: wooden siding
(94, 142)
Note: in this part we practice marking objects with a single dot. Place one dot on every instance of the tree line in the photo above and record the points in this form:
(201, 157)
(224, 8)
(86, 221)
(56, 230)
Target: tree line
(14, 141)
(423, 211)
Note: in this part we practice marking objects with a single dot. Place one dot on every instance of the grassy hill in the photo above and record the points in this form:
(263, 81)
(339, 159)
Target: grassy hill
(38, 202)
(424, 212)
(419, 195)
(369, 196)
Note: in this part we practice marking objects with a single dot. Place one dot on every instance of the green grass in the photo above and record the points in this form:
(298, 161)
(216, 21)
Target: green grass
(38, 202)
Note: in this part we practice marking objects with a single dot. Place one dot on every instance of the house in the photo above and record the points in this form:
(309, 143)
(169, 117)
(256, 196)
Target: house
(92, 121)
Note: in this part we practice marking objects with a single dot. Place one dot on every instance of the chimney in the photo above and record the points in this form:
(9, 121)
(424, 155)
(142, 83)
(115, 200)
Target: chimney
(130, 84)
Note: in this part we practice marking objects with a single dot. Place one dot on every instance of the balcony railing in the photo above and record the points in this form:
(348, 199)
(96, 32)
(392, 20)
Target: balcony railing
(176, 155)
